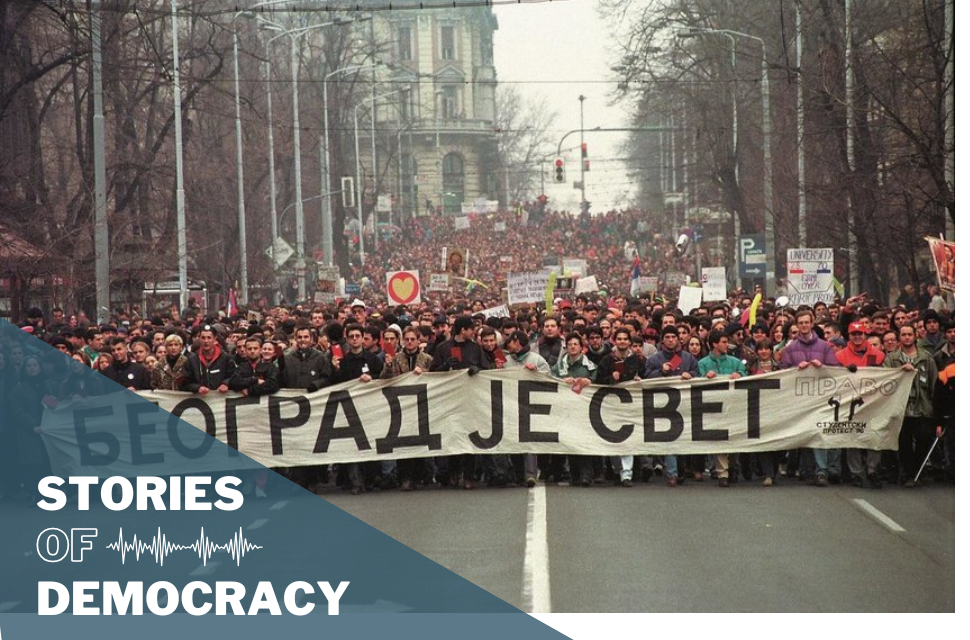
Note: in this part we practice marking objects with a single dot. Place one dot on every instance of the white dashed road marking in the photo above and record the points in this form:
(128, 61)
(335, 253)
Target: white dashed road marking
(536, 592)
(880, 517)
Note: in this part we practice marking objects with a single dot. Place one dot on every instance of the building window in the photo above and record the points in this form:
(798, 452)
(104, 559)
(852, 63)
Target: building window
(447, 43)
(453, 183)
(405, 105)
(449, 102)
(404, 43)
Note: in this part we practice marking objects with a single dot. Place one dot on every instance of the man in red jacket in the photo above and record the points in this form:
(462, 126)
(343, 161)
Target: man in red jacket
(859, 353)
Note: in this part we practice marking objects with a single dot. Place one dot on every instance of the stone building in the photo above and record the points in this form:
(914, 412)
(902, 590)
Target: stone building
(440, 134)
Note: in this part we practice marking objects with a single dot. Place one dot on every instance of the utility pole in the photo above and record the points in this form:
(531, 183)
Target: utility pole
(183, 260)
(582, 159)
(102, 268)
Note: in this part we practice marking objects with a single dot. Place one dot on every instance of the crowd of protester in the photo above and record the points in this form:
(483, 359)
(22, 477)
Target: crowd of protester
(603, 337)
(527, 240)
(584, 339)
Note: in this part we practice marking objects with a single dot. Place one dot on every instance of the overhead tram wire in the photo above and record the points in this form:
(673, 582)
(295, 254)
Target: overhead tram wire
(344, 7)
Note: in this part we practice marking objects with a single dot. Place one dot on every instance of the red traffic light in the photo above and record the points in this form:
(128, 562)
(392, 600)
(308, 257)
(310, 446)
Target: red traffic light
(558, 163)
(584, 149)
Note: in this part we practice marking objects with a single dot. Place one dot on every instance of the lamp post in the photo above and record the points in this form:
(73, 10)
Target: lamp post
(360, 186)
(582, 158)
(102, 268)
(769, 220)
(183, 259)
(294, 35)
(327, 203)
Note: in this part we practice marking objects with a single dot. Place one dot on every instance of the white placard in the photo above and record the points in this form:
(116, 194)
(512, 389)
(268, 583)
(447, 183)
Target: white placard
(714, 283)
(587, 284)
(810, 276)
(438, 282)
(689, 299)
(528, 286)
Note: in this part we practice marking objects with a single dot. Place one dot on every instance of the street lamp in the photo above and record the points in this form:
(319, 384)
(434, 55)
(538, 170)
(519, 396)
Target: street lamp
(294, 35)
(769, 220)
(360, 186)
(183, 259)
(328, 205)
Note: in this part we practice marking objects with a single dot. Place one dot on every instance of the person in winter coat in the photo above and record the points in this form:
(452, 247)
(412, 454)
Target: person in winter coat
(859, 353)
(410, 359)
(209, 368)
(621, 365)
(256, 377)
(715, 364)
(305, 367)
(577, 370)
(169, 371)
(131, 375)
(916, 435)
(806, 350)
(671, 361)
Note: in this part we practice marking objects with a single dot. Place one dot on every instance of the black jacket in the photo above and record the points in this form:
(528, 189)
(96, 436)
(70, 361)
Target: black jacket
(471, 356)
(129, 374)
(261, 380)
(352, 366)
(309, 370)
(604, 370)
(199, 373)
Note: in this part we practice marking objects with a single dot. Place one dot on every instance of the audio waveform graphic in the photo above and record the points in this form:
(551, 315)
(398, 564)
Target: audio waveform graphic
(160, 547)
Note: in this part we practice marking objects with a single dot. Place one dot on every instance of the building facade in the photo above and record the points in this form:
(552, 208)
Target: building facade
(438, 129)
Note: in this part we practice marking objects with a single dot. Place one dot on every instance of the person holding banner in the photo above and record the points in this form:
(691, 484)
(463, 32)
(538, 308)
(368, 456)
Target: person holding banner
(859, 353)
(916, 434)
(577, 370)
(671, 361)
(363, 366)
(807, 349)
(621, 365)
(460, 352)
(522, 357)
(719, 363)
(209, 367)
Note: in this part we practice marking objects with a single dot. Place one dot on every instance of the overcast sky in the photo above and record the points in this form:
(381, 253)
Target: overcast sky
(559, 50)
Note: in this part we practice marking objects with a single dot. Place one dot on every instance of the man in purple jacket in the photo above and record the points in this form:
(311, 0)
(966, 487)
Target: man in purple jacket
(807, 349)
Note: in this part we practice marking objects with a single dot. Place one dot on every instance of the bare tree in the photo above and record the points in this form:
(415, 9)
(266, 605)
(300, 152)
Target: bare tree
(524, 141)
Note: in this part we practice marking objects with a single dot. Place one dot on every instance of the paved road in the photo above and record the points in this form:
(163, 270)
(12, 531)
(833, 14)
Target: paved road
(788, 548)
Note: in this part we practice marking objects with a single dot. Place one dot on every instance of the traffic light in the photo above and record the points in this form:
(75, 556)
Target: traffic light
(585, 150)
(559, 170)
(585, 165)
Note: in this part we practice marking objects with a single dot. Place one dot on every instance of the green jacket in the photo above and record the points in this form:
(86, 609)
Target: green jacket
(920, 404)
(721, 365)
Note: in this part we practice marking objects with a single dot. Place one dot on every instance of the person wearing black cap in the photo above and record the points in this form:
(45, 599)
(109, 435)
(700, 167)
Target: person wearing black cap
(934, 340)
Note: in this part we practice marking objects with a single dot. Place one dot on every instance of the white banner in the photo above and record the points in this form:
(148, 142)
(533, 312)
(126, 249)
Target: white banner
(587, 284)
(528, 286)
(519, 411)
(501, 311)
(462, 222)
(714, 283)
(438, 282)
(810, 276)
